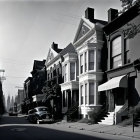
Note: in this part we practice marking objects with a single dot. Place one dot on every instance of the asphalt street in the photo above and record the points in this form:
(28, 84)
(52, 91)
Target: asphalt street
(18, 128)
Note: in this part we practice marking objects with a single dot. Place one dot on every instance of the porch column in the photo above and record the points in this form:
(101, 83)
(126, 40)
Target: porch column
(79, 66)
(84, 94)
(88, 60)
(62, 98)
(68, 71)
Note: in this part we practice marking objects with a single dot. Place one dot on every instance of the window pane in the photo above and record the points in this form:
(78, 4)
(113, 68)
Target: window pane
(81, 59)
(91, 60)
(117, 61)
(91, 93)
(116, 46)
(72, 71)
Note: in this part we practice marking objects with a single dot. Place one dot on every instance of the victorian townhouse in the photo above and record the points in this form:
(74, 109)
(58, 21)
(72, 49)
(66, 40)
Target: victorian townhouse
(122, 88)
(90, 46)
(61, 69)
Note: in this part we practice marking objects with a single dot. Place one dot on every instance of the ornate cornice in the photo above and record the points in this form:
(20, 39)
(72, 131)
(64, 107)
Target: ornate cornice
(131, 31)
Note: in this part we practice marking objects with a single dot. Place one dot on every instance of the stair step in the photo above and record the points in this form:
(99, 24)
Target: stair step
(108, 120)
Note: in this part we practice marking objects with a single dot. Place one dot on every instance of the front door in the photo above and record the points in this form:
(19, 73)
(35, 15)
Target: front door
(111, 102)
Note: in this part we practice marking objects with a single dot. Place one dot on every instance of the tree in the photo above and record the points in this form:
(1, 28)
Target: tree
(53, 98)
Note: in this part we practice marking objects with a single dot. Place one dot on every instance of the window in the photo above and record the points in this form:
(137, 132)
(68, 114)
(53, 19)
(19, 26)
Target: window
(85, 61)
(81, 63)
(91, 93)
(85, 93)
(91, 60)
(82, 95)
(116, 52)
(72, 71)
(65, 77)
(126, 52)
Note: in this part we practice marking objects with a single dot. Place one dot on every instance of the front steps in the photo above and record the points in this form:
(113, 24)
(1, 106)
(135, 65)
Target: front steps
(109, 120)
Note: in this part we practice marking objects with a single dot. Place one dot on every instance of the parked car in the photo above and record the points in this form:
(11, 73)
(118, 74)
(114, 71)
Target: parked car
(12, 112)
(39, 114)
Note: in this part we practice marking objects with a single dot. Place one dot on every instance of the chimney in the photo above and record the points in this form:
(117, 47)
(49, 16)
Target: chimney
(89, 14)
(112, 14)
(54, 46)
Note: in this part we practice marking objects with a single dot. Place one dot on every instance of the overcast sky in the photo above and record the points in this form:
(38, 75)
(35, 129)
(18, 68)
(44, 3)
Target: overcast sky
(28, 28)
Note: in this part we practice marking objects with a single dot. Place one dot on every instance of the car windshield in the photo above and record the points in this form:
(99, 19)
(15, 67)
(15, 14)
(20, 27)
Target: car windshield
(42, 109)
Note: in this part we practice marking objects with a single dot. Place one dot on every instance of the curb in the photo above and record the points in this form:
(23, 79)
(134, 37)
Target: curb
(113, 133)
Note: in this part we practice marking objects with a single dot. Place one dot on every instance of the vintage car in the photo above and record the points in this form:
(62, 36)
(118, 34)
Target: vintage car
(39, 114)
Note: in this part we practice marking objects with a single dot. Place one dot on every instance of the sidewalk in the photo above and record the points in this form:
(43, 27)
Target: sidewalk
(107, 129)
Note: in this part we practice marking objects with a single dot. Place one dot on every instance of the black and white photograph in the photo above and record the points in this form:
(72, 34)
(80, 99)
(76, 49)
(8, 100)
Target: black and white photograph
(69, 69)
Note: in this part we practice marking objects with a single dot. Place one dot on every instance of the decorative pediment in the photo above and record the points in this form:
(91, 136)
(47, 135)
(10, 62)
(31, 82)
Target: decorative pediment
(84, 27)
(51, 55)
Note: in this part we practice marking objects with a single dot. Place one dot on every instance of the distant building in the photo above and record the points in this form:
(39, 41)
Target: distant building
(8, 102)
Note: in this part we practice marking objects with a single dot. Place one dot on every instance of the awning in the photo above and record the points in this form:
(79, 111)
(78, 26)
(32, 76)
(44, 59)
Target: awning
(120, 81)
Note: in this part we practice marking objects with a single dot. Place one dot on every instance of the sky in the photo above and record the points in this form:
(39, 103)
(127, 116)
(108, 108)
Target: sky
(28, 28)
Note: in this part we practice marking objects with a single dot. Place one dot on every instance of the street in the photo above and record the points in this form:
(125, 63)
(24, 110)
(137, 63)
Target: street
(18, 128)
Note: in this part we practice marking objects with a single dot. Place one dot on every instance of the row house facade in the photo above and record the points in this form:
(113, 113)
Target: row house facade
(123, 85)
(79, 65)
(58, 64)
(90, 45)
